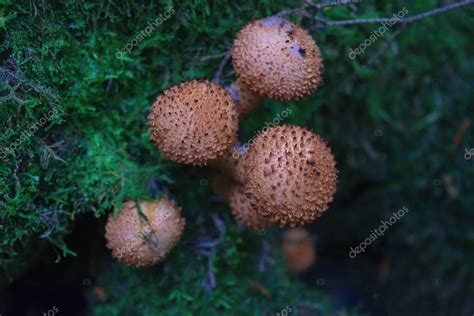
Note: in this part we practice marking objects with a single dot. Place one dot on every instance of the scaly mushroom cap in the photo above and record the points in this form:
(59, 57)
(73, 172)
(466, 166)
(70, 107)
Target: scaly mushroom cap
(194, 122)
(291, 175)
(243, 210)
(277, 59)
(138, 242)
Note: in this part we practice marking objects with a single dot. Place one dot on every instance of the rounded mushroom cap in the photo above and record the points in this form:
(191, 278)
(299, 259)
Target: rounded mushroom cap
(232, 163)
(277, 59)
(194, 122)
(243, 210)
(298, 250)
(138, 242)
(291, 175)
(244, 98)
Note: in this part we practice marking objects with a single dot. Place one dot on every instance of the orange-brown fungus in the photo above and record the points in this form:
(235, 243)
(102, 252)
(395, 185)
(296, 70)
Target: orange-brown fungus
(277, 59)
(291, 175)
(194, 122)
(138, 242)
(243, 210)
(298, 250)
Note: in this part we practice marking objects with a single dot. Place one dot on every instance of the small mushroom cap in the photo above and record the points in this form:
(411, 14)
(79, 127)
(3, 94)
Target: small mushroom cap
(194, 122)
(138, 242)
(277, 59)
(291, 175)
(298, 250)
(243, 210)
(232, 163)
(244, 98)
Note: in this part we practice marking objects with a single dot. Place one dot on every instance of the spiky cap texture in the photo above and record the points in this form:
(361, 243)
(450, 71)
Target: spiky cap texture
(277, 59)
(194, 122)
(140, 242)
(291, 175)
(243, 210)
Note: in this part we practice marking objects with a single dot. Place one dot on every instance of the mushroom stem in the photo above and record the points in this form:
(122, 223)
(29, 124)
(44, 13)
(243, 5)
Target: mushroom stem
(244, 99)
(232, 164)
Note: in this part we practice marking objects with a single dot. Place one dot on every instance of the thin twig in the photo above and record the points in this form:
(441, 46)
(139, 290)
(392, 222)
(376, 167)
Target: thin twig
(217, 77)
(297, 11)
(204, 58)
(383, 47)
(404, 21)
(15, 176)
(328, 4)
(317, 6)
(204, 247)
(13, 95)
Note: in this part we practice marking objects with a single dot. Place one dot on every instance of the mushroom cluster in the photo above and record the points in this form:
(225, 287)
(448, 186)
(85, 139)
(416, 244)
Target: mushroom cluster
(286, 178)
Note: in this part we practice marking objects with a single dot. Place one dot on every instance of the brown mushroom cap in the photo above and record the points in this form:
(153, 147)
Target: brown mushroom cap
(138, 242)
(242, 209)
(194, 122)
(291, 175)
(232, 163)
(234, 193)
(244, 98)
(277, 59)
